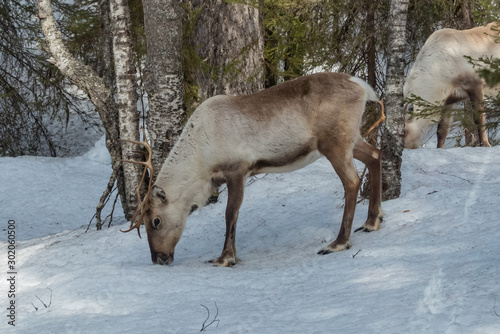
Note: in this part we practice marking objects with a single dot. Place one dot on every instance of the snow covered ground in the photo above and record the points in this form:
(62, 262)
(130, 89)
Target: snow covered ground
(433, 267)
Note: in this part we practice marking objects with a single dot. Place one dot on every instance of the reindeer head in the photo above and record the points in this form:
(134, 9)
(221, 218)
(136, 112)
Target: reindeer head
(164, 218)
(164, 221)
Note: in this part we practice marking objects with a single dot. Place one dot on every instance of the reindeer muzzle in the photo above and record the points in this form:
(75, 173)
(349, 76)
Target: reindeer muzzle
(161, 258)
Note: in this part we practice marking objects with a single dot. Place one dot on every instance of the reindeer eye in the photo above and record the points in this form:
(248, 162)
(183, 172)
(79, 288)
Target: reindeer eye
(156, 222)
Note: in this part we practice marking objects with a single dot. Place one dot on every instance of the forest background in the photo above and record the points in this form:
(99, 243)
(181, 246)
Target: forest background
(152, 62)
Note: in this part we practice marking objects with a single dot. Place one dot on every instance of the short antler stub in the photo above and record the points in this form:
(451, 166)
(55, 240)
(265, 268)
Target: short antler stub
(380, 120)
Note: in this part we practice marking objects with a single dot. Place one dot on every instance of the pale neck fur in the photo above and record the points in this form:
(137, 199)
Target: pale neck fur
(183, 175)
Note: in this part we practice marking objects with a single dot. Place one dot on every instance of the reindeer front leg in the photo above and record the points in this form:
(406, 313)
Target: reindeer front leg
(235, 189)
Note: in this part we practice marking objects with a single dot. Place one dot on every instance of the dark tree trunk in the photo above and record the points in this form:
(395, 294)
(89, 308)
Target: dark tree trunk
(163, 76)
(370, 44)
(229, 39)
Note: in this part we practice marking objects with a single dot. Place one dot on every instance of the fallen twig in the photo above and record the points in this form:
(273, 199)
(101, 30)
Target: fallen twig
(110, 216)
(495, 308)
(43, 303)
(203, 327)
(356, 254)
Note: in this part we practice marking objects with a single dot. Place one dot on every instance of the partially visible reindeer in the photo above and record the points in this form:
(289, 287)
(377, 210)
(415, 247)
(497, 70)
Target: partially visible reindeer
(442, 74)
(280, 129)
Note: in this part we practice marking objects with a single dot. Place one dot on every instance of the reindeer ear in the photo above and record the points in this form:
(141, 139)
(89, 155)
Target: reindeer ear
(157, 192)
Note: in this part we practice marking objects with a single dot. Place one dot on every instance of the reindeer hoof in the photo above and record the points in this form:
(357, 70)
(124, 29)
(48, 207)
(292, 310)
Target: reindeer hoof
(224, 262)
(334, 247)
(370, 226)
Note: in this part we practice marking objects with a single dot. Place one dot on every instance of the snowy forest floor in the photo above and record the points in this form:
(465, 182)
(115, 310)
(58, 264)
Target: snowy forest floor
(433, 267)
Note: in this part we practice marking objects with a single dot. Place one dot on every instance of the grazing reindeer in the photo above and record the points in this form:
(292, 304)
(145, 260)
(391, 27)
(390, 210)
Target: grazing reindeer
(280, 129)
(441, 74)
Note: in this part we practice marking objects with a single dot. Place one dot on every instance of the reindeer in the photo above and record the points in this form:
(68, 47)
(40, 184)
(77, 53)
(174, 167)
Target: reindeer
(280, 129)
(442, 74)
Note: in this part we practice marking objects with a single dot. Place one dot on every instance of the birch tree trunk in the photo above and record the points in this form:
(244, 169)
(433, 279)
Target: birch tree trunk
(393, 129)
(126, 97)
(163, 76)
(229, 38)
(94, 87)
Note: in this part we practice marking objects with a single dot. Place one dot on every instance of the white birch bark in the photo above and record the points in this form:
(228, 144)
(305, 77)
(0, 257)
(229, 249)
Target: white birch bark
(126, 97)
(393, 128)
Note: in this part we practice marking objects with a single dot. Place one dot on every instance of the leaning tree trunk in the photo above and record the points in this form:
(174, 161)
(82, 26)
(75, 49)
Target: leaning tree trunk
(163, 76)
(393, 129)
(94, 87)
(229, 38)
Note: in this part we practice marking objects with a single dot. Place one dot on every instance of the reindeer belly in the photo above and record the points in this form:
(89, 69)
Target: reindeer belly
(287, 163)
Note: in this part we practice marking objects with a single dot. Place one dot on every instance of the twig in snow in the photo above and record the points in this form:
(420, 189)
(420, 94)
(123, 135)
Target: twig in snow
(110, 216)
(423, 171)
(43, 303)
(458, 177)
(90, 222)
(418, 166)
(203, 327)
(104, 200)
(356, 254)
(495, 308)
(255, 178)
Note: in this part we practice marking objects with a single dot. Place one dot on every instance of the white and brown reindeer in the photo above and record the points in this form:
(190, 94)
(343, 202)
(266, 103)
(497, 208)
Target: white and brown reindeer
(443, 75)
(280, 129)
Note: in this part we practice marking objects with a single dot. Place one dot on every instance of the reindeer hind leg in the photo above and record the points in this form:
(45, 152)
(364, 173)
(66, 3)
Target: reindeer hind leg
(341, 158)
(471, 86)
(370, 156)
(443, 129)
(477, 98)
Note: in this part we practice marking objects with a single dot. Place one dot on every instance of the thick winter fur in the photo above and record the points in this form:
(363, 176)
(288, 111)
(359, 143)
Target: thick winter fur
(280, 129)
(441, 74)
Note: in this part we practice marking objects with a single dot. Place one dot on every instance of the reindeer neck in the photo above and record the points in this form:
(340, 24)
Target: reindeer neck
(182, 174)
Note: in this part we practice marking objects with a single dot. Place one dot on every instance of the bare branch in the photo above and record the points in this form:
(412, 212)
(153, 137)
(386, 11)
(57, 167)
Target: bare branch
(110, 216)
(203, 327)
(43, 303)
